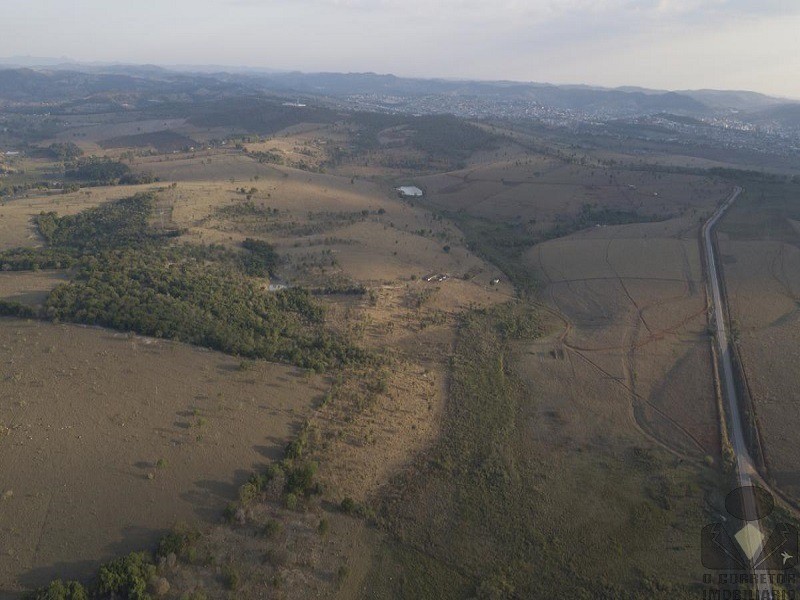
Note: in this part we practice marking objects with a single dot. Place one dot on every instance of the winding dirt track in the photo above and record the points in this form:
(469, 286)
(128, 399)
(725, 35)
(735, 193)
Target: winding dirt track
(638, 333)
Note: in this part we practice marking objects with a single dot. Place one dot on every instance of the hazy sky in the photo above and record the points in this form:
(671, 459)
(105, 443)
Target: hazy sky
(674, 44)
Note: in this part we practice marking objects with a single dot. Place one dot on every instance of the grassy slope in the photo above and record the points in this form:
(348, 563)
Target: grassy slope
(492, 513)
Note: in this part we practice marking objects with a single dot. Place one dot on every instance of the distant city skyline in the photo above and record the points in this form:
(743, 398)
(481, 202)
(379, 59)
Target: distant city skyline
(659, 44)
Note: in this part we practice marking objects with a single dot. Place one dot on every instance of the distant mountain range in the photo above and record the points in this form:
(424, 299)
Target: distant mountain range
(53, 85)
(563, 97)
(50, 80)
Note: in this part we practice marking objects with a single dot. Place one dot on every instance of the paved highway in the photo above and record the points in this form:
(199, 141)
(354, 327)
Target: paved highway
(744, 464)
(745, 470)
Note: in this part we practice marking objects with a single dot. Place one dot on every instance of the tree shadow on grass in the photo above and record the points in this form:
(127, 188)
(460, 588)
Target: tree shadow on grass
(274, 451)
(131, 539)
(81, 570)
(209, 497)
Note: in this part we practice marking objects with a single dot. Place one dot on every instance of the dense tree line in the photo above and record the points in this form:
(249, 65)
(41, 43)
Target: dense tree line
(202, 305)
(590, 216)
(34, 259)
(100, 171)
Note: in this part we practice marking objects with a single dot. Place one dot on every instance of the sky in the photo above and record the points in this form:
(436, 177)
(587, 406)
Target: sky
(662, 44)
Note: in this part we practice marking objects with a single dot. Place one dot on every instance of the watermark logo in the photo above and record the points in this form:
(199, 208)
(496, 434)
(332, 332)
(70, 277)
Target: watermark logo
(747, 541)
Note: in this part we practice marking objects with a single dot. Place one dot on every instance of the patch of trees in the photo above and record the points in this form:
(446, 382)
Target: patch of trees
(442, 137)
(745, 174)
(261, 258)
(127, 577)
(258, 115)
(34, 259)
(162, 141)
(133, 577)
(65, 151)
(133, 178)
(72, 237)
(129, 277)
(111, 225)
(264, 219)
(21, 188)
(448, 137)
(104, 171)
(60, 590)
(275, 158)
(9, 308)
(99, 171)
(202, 304)
(269, 157)
(590, 216)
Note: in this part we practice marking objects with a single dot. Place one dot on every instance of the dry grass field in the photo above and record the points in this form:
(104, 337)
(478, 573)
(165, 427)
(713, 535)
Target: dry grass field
(631, 297)
(759, 244)
(318, 222)
(524, 186)
(615, 422)
(487, 449)
(29, 287)
(633, 307)
(109, 440)
(148, 433)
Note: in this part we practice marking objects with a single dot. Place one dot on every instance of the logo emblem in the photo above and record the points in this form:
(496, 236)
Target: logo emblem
(747, 540)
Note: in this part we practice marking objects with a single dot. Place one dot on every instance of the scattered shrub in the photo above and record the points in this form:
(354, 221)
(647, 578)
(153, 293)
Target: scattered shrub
(300, 479)
(323, 527)
(348, 505)
(231, 577)
(271, 528)
(59, 590)
(178, 542)
(248, 493)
